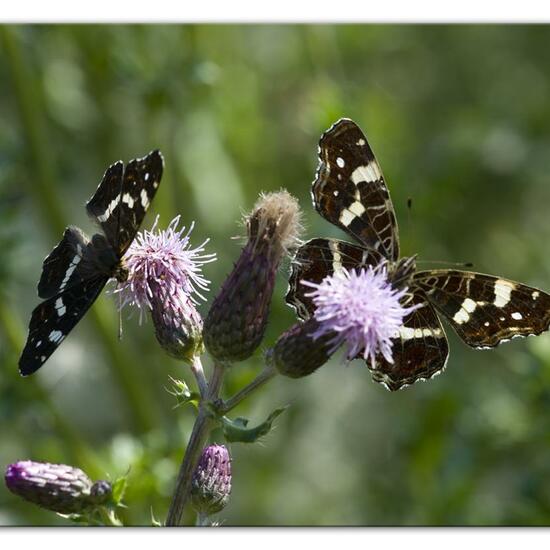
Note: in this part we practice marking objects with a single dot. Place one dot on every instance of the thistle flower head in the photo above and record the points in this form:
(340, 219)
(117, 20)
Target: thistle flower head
(211, 484)
(56, 487)
(165, 277)
(361, 309)
(237, 320)
(164, 260)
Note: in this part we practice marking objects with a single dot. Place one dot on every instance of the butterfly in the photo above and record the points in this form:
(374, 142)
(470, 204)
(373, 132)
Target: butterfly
(349, 191)
(78, 268)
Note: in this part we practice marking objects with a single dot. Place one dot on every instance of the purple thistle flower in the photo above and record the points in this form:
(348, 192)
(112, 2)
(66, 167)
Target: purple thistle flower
(164, 260)
(165, 277)
(361, 309)
(211, 485)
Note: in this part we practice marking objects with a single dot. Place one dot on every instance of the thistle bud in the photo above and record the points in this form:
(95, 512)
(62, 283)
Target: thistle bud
(211, 484)
(237, 320)
(56, 487)
(178, 328)
(298, 352)
(101, 492)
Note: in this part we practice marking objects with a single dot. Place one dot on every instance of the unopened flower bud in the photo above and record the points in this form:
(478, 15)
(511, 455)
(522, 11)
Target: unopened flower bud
(178, 328)
(237, 320)
(56, 487)
(101, 492)
(211, 484)
(298, 353)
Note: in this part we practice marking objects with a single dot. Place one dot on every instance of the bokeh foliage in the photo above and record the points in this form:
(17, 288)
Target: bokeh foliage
(460, 120)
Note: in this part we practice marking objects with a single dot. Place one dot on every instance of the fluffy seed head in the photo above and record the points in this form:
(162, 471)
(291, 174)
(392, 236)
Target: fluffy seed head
(361, 309)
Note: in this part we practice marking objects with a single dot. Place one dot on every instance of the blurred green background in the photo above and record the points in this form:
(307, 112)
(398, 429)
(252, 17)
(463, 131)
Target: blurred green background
(459, 117)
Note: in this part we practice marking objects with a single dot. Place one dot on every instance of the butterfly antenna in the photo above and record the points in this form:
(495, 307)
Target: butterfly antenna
(410, 226)
(451, 264)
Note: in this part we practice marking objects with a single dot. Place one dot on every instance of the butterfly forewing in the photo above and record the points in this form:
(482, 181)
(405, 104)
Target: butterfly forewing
(139, 186)
(319, 258)
(123, 197)
(486, 310)
(419, 352)
(350, 191)
(104, 206)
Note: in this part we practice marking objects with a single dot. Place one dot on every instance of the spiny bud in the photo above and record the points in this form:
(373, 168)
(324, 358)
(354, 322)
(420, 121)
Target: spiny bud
(298, 353)
(237, 320)
(178, 328)
(211, 484)
(56, 487)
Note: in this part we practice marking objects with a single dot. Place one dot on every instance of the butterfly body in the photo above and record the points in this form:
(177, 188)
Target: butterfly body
(350, 192)
(78, 268)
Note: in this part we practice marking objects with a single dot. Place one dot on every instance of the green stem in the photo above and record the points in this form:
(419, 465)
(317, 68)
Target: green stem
(198, 372)
(199, 435)
(42, 186)
(265, 376)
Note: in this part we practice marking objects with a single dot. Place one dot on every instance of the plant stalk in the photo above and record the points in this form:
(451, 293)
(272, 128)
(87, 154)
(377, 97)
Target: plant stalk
(265, 376)
(199, 435)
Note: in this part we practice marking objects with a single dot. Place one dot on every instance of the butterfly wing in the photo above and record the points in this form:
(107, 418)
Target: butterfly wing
(318, 258)
(419, 352)
(350, 192)
(70, 283)
(123, 197)
(485, 310)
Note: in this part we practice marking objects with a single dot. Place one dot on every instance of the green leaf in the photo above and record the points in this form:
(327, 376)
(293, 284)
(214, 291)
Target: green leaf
(237, 431)
(184, 396)
(119, 488)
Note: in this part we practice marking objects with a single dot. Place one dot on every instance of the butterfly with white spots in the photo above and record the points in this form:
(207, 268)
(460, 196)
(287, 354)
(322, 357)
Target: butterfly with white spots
(350, 191)
(78, 268)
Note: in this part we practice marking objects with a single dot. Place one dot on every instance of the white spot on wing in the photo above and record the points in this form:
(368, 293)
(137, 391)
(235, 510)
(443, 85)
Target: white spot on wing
(55, 336)
(408, 333)
(535, 295)
(357, 209)
(110, 209)
(144, 199)
(60, 307)
(127, 198)
(340, 162)
(503, 290)
(361, 142)
(146, 177)
(368, 173)
(517, 316)
(336, 256)
(72, 266)
(346, 217)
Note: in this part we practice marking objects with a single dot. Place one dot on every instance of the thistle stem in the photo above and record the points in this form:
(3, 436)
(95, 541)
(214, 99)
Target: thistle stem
(198, 372)
(267, 374)
(201, 429)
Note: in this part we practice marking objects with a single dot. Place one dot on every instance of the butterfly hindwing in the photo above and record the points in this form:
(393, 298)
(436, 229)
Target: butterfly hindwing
(485, 310)
(350, 192)
(419, 352)
(54, 318)
(318, 258)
